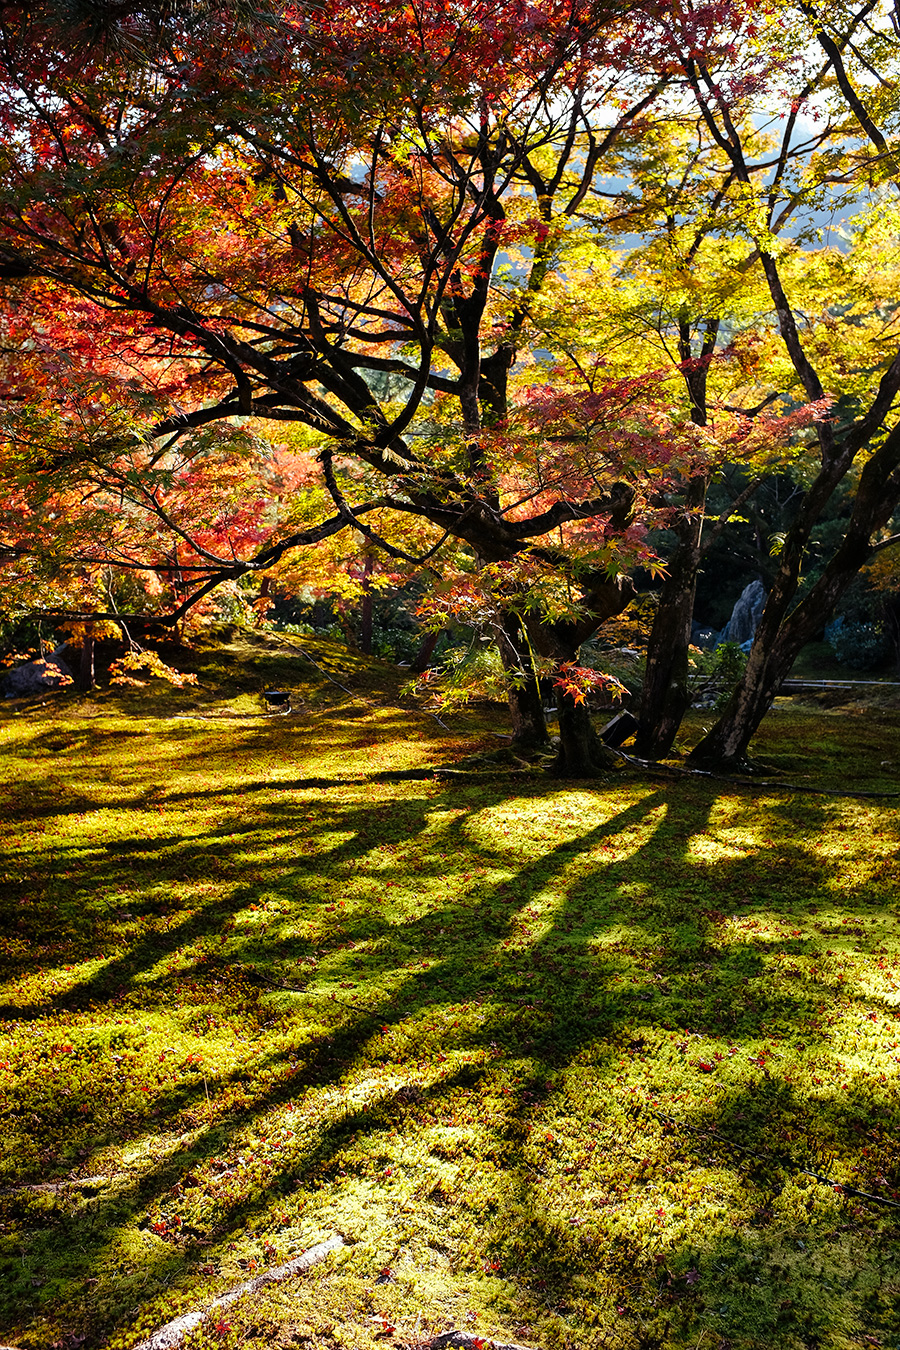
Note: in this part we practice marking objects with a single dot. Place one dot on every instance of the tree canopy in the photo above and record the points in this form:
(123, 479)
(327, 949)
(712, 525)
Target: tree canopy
(496, 290)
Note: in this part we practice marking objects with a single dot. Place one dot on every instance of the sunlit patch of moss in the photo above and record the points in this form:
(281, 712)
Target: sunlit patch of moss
(553, 1057)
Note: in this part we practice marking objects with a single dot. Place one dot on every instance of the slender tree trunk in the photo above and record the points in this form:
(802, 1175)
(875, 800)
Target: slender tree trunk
(86, 664)
(425, 652)
(581, 752)
(782, 632)
(365, 627)
(891, 612)
(665, 697)
(525, 703)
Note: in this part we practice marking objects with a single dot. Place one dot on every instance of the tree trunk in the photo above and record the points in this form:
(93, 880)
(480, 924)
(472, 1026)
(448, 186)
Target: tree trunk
(86, 664)
(781, 635)
(665, 697)
(525, 704)
(581, 752)
(891, 613)
(365, 626)
(602, 598)
(420, 661)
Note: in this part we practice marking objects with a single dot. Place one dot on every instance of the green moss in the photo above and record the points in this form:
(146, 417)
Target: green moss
(551, 1056)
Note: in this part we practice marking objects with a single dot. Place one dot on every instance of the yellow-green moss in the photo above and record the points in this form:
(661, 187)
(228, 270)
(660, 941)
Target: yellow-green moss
(256, 990)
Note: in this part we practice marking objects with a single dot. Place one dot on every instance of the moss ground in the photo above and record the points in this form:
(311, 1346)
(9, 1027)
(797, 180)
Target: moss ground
(550, 1057)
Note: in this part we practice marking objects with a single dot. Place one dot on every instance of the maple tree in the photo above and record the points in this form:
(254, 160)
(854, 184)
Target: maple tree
(728, 217)
(684, 296)
(853, 439)
(311, 232)
(356, 225)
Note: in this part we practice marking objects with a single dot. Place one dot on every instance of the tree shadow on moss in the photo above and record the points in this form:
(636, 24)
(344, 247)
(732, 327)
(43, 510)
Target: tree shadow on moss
(547, 1005)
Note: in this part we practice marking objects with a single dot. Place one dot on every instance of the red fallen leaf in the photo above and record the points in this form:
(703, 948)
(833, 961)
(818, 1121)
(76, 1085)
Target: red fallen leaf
(384, 1327)
(704, 1066)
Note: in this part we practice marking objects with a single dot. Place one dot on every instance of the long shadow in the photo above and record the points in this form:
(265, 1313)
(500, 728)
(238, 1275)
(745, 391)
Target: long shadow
(124, 860)
(589, 1002)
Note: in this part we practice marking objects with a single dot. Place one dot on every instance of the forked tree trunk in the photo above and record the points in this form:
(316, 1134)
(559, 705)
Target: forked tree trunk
(782, 633)
(525, 703)
(581, 753)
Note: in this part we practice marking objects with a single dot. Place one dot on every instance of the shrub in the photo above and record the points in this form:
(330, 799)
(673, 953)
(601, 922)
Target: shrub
(857, 644)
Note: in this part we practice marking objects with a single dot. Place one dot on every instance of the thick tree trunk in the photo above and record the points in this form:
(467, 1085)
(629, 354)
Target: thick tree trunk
(665, 697)
(581, 752)
(782, 634)
(525, 704)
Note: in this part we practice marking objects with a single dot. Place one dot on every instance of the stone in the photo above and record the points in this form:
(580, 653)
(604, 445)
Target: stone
(36, 677)
(745, 616)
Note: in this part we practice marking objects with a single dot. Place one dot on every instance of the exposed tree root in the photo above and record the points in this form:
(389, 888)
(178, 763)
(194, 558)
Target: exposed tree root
(656, 766)
(173, 1333)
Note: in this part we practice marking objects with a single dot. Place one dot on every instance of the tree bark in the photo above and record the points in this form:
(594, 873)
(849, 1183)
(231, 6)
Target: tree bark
(783, 632)
(424, 654)
(665, 697)
(525, 703)
(86, 663)
(365, 626)
(581, 752)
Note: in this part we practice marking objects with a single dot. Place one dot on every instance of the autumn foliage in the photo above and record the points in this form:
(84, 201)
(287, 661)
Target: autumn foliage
(284, 284)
